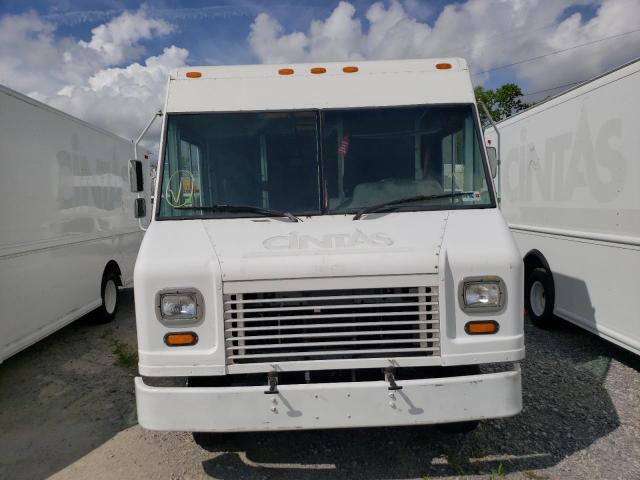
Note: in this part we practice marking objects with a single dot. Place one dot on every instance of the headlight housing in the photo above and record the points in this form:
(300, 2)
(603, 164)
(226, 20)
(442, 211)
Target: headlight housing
(482, 294)
(179, 306)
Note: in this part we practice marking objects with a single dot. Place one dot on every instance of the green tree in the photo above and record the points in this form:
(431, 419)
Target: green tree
(502, 102)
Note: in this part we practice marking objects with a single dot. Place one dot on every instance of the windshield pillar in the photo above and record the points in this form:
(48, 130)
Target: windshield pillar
(343, 145)
(264, 173)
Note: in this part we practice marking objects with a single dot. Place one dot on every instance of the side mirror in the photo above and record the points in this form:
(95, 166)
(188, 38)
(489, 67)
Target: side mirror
(135, 176)
(140, 208)
(492, 154)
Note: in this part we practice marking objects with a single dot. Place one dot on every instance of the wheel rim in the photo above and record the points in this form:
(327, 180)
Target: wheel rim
(110, 296)
(537, 298)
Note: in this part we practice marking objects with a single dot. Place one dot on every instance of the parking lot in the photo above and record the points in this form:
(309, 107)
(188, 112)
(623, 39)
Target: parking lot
(67, 410)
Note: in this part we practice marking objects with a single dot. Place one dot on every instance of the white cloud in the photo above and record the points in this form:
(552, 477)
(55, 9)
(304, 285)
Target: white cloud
(613, 17)
(271, 45)
(487, 34)
(26, 43)
(122, 99)
(85, 78)
(118, 40)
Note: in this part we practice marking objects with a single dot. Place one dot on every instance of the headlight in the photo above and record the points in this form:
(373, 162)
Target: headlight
(173, 306)
(482, 294)
(179, 306)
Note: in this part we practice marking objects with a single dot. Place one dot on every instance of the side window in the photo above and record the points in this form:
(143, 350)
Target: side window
(190, 161)
(462, 168)
(449, 158)
(181, 185)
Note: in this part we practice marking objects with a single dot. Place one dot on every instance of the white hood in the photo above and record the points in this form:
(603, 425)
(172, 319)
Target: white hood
(337, 245)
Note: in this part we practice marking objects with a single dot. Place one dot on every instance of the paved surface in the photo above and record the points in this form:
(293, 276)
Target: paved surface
(67, 411)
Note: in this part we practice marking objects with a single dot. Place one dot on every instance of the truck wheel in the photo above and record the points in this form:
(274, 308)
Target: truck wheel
(206, 440)
(539, 298)
(459, 427)
(110, 298)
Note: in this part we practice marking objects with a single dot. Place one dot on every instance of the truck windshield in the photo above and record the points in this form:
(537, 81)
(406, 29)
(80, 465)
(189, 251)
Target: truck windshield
(322, 162)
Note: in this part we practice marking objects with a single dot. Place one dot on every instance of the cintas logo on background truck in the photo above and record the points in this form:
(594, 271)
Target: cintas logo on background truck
(326, 251)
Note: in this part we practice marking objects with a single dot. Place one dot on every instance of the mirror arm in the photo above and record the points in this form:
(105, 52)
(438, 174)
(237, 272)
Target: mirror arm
(144, 132)
(135, 152)
(495, 127)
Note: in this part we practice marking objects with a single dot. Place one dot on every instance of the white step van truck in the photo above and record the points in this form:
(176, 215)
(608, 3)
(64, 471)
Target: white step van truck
(68, 238)
(326, 252)
(570, 188)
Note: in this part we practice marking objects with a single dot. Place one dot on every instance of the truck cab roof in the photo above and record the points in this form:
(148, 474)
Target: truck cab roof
(321, 85)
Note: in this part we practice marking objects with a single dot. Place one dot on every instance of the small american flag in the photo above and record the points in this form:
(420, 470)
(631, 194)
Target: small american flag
(344, 145)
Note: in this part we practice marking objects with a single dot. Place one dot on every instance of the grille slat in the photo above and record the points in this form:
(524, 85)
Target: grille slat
(331, 324)
(374, 353)
(268, 346)
(326, 307)
(309, 299)
(319, 335)
(340, 315)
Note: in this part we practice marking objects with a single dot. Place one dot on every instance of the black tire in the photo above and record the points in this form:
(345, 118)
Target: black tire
(207, 440)
(540, 297)
(110, 295)
(459, 427)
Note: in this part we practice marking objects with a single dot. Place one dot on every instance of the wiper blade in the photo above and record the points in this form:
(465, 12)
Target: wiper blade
(387, 206)
(269, 212)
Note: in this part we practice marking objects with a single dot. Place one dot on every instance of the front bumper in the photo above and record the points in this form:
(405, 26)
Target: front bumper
(330, 405)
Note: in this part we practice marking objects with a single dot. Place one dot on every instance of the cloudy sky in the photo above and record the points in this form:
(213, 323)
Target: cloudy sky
(107, 61)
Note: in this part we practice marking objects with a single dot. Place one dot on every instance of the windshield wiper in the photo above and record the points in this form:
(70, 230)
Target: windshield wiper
(388, 206)
(268, 212)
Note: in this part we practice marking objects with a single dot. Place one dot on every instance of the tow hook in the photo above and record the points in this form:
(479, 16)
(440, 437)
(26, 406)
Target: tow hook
(272, 378)
(389, 376)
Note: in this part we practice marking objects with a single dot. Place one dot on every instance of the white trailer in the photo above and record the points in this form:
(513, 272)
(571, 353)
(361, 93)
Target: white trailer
(570, 186)
(68, 238)
(326, 251)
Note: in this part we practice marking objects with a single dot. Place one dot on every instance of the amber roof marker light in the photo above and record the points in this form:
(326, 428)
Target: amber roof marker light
(350, 69)
(286, 71)
(317, 70)
(443, 66)
(193, 74)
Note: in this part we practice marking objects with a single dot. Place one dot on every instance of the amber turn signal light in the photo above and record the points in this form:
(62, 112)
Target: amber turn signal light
(180, 339)
(193, 74)
(481, 327)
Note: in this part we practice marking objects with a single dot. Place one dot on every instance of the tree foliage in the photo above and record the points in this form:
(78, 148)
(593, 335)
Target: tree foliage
(502, 102)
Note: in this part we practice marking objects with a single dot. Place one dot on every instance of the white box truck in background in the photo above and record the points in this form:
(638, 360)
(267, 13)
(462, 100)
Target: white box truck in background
(68, 236)
(570, 187)
(326, 252)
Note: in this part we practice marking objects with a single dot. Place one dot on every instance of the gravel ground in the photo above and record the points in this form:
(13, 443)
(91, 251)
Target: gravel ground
(67, 411)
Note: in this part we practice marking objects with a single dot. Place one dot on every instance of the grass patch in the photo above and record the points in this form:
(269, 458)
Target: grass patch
(534, 475)
(499, 472)
(459, 465)
(125, 356)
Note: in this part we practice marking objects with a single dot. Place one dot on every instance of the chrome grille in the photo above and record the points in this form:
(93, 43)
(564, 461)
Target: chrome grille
(331, 324)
